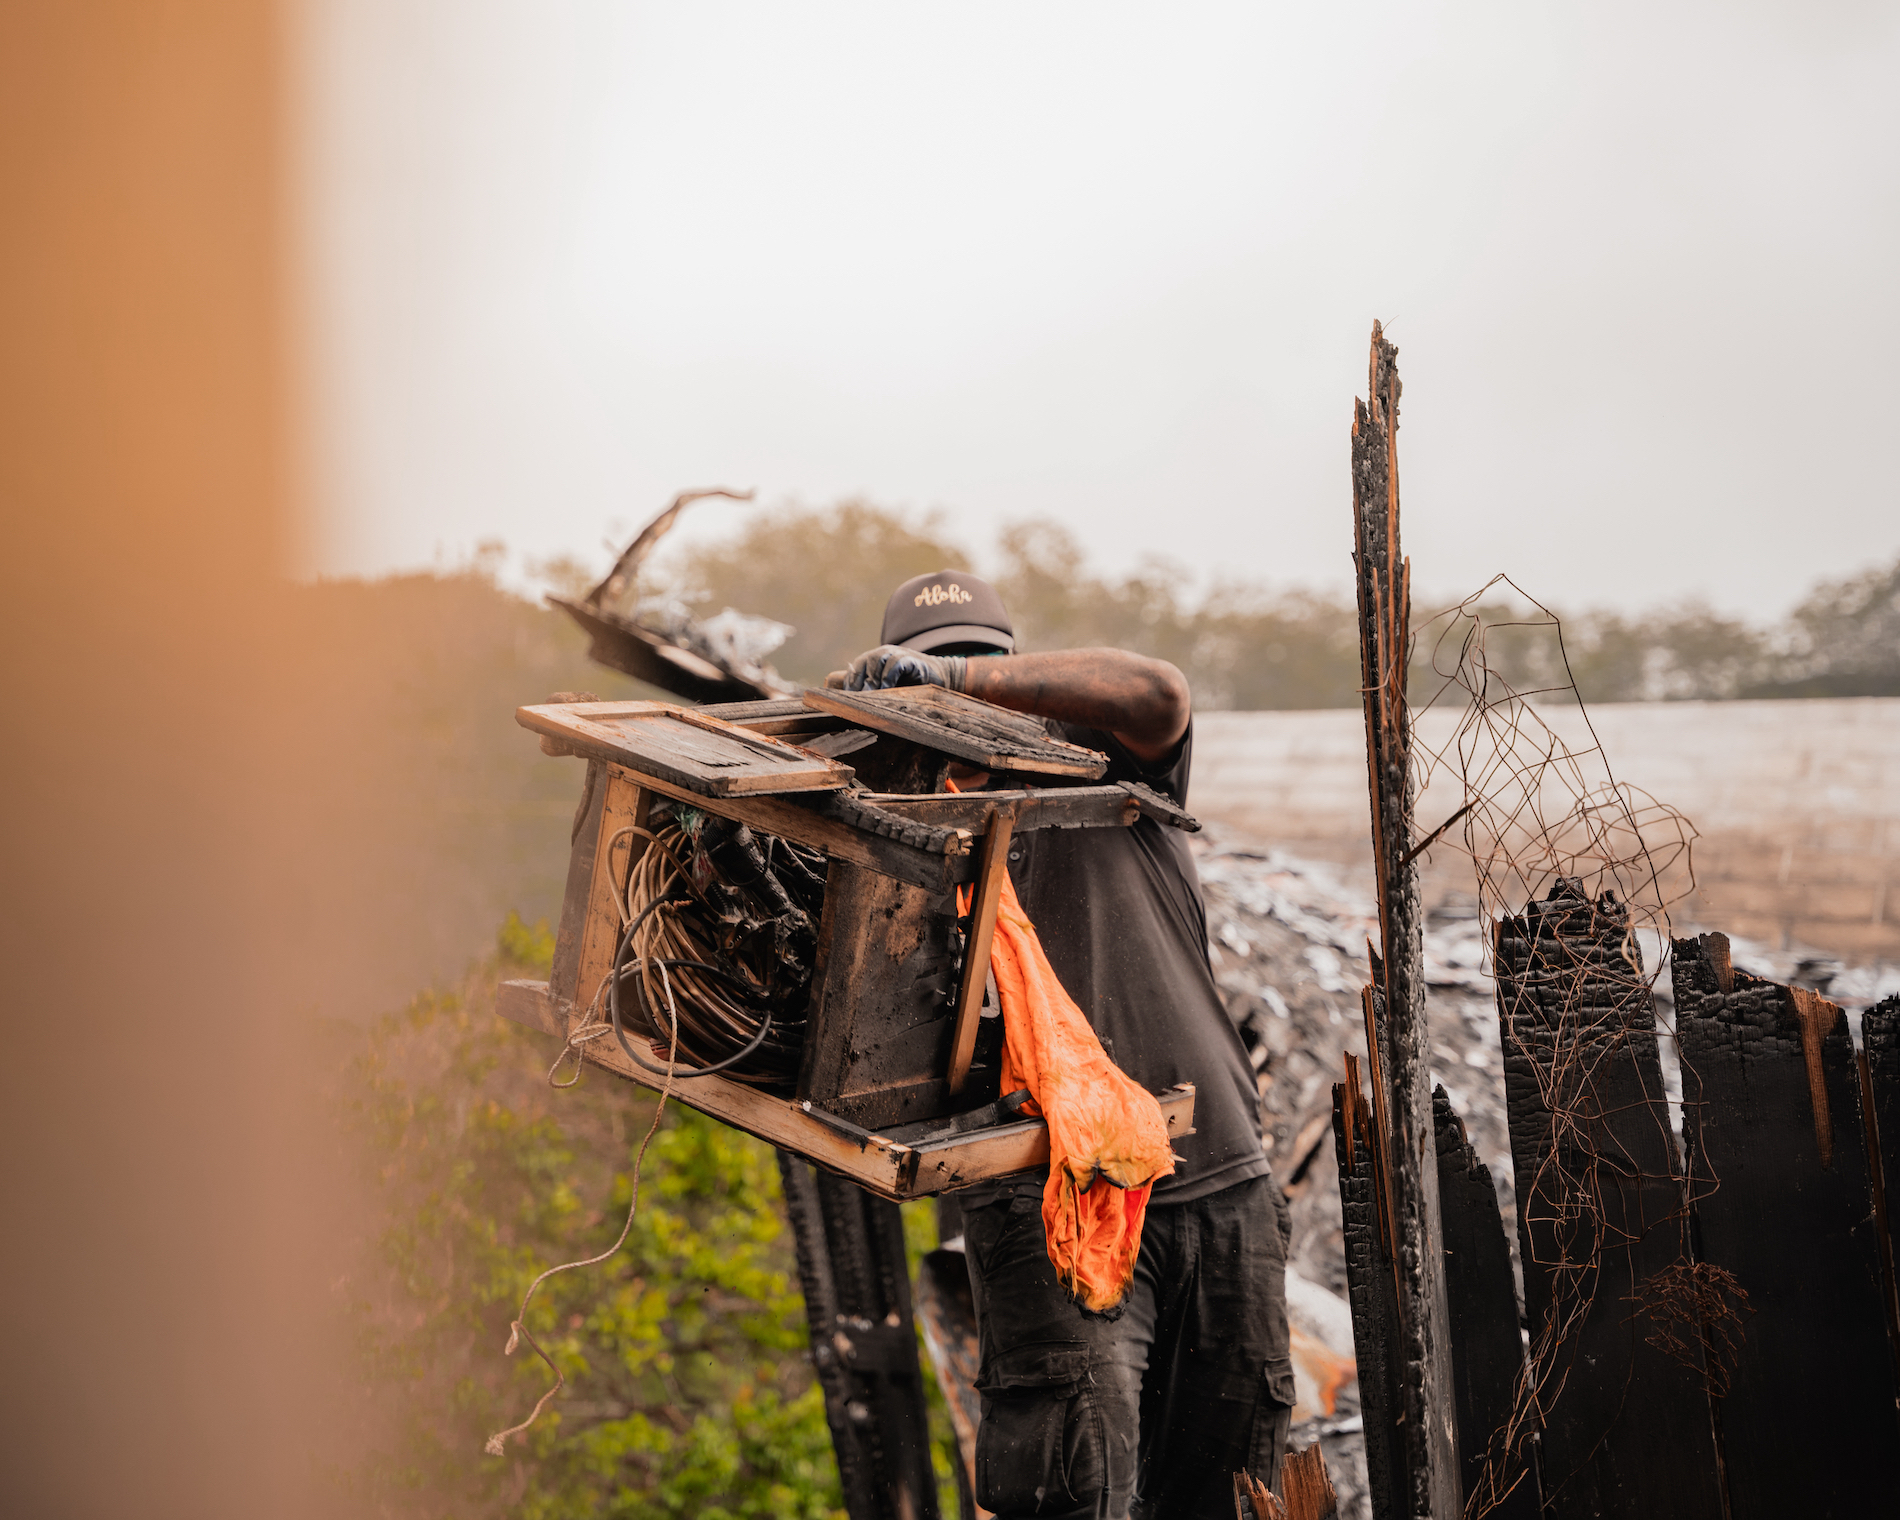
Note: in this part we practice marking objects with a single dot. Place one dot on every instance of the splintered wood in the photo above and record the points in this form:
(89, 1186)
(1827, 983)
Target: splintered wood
(1306, 1491)
(1398, 1043)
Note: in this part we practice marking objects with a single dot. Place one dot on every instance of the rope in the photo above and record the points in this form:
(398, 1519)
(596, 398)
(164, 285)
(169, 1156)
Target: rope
(656, 935)
(519, 1331)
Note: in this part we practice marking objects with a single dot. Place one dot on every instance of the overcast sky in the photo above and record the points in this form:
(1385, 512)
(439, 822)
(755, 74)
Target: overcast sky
(1116, 265)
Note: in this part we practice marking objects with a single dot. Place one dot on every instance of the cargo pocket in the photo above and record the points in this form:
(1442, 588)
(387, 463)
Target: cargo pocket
(1041, 1446)
(1272, 1421)
(1280, 1381)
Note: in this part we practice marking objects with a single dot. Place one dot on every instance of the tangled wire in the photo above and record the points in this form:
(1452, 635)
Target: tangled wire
(718, 928)
(715, 950)
(1543, 816)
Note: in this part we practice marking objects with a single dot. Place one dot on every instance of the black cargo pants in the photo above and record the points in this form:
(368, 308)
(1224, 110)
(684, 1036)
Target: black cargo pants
(1148, 1415)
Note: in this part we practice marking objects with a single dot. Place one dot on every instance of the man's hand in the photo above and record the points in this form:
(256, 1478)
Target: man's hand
(892, 665)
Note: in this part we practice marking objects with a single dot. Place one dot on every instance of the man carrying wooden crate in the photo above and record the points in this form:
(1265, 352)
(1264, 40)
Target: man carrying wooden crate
(1147, 1413)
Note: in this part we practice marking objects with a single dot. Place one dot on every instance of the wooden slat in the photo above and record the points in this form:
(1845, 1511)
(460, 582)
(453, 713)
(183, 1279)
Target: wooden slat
(758, 714)
(1079, 807)
(888, 1168)
(1487, 1353)
(1063, 807)
(623, 805)
(1789, 1215)
(1626, 1425)
(584, 842)
(976, 955)
(705, 755)
(1371, 1294)
(974, 731)
(845, 829)
(1402, 1069)
(947, 1312)
(956, 1161)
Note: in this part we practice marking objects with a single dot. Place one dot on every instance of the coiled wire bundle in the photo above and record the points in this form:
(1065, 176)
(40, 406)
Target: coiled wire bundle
(712, 969)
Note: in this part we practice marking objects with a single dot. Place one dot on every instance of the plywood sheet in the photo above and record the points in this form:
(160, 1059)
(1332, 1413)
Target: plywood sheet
(704, 755)
(975, 731)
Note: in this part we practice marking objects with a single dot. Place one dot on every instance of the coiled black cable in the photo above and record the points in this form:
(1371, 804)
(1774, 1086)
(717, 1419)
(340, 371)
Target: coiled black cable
(621, 968)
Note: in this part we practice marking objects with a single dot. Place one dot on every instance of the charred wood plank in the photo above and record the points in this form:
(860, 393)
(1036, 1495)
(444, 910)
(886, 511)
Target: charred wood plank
(1487, 1353)
(1601, 1216)
(584, 845)
(852, 1269)
(1077, 807)
(1771, 1097)
(1401, 1060)
(1372, 1296)
(623, 645)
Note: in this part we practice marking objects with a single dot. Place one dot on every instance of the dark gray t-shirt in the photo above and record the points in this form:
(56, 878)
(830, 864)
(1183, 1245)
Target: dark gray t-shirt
(1120, 916)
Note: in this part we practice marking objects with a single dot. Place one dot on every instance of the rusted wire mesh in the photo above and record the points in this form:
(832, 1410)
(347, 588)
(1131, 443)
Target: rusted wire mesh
(1540, 799)
(1577, 869)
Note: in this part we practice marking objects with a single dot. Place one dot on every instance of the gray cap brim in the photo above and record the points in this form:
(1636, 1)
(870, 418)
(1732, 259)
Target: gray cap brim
(961, 633)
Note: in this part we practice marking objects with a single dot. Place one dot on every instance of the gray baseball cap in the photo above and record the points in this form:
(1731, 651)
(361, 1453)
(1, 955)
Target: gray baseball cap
(947, 607)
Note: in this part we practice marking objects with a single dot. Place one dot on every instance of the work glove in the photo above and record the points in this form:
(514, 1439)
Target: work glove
(893, 665)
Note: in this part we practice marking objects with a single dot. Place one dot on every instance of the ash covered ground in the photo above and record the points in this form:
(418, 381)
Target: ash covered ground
(1288, 941)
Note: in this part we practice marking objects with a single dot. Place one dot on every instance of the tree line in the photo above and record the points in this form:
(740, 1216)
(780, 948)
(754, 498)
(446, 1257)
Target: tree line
(826, 572)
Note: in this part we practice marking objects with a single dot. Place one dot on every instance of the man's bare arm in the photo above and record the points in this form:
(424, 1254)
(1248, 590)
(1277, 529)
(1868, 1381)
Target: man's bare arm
(1144, 703)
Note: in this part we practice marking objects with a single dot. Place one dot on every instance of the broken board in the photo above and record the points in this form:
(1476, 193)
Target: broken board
(705, 756)
(926, 1160)
(976, 732)
(623, 645)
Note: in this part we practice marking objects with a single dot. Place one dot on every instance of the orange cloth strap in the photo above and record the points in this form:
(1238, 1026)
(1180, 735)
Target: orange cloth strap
(1108, 1141)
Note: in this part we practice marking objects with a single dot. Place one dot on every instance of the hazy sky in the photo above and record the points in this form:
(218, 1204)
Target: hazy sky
(1116, 265)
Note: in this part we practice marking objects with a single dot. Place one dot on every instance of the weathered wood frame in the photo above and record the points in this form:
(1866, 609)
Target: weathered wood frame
(909, 854)
(587, 728)
(918, 1167)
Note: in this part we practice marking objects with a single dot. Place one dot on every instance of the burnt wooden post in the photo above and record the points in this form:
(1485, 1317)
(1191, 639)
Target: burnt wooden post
(1601, 1217)
(1371, 1290)
(1399, 1046)
(1771, 1098)
(1487, 1353)
(856, 1282)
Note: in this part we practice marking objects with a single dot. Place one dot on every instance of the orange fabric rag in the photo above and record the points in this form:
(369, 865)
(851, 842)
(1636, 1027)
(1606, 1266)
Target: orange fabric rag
(1103, 1127)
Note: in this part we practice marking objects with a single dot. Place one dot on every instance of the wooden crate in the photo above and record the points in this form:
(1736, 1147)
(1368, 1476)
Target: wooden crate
(898, 1085)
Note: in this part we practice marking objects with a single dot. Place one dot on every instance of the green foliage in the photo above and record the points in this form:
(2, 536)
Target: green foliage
(688, 1392)
(527, 945)
(1242, 646)
(828, 573)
